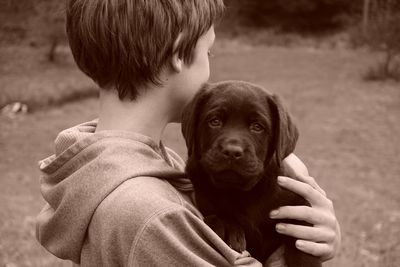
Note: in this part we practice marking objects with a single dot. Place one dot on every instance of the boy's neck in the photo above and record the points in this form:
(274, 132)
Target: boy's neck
(147, 115)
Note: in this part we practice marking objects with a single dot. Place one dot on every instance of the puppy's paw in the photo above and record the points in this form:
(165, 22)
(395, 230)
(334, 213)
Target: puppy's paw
(216, 224)
(235, 237)
(229, 231)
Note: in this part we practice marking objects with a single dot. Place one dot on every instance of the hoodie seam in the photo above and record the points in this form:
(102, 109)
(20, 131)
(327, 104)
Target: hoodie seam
(146, 224)
(72, 152)
(173, 190)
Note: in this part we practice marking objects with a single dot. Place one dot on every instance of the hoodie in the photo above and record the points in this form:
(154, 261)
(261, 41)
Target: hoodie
(117, 198)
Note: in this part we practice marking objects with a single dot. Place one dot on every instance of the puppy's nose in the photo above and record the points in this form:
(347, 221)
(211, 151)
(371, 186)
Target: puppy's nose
(232, 151)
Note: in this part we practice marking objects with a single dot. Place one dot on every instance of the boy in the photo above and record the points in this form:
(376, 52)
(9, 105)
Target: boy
(116, 196)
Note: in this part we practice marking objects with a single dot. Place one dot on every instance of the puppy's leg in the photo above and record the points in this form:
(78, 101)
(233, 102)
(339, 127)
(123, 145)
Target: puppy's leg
(296, 258)
(216, 224)
(229, 231)
(235, 236)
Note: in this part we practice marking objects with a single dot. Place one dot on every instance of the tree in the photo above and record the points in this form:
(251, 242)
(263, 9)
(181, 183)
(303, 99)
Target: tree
(36, 21)
(383, 34)
(48, 24)
(14, 20)
(366, 15)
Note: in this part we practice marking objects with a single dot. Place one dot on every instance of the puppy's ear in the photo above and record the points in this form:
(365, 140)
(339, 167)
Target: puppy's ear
(284, 130)
(190, 118)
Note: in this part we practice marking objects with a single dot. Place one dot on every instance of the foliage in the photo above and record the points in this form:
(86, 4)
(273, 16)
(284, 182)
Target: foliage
(299, 15)
(383, 34)
(38, 22)
(27, 19)
(13, 20)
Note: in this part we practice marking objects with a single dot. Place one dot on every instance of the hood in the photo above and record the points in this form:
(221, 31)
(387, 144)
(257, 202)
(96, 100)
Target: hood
(84, 170)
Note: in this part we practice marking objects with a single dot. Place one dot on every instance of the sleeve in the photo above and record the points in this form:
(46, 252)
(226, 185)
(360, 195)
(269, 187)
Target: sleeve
(176, 237)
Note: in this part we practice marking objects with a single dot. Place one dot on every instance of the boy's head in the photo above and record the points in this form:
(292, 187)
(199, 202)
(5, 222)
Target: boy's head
(124, 44)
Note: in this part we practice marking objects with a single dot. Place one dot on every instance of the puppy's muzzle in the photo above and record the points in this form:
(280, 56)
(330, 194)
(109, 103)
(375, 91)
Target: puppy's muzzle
(232, 163)
(231, 153)
(232, 150)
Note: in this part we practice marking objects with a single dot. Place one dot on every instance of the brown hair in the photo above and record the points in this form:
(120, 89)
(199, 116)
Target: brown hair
(125, 43)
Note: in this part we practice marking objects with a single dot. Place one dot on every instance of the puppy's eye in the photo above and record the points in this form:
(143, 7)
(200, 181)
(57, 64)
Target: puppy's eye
(215, 123)
(256, 127)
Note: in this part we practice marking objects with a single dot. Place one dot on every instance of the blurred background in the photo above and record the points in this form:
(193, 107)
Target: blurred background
(335, 63)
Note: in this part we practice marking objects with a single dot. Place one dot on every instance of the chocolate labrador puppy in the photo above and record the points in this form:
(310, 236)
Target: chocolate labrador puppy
(237, 135)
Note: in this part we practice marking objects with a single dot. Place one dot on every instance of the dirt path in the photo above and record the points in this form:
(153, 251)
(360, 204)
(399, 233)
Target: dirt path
(350, 140)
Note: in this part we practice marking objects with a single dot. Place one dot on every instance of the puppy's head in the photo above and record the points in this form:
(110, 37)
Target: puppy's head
(233, 130)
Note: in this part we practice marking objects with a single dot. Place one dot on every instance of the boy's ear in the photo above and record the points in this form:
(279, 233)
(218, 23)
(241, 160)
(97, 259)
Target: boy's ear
(176, 60)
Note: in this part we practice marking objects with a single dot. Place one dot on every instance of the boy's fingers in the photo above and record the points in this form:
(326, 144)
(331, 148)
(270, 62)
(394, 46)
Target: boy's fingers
(312, 195)
(308, 233)
(311, 181)
(294, 166)
(303, 213)
(322, 250)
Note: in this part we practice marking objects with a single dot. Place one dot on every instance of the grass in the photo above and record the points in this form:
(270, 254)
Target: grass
(349, 139)
(26, 76)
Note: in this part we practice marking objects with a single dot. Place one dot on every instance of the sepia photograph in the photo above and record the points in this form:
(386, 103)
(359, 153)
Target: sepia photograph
(200, 133)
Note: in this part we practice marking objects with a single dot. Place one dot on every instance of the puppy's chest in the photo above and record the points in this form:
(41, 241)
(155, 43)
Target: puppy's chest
(249, 209)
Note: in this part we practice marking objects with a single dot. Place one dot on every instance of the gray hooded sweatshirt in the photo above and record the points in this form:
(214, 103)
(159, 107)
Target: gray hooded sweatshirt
(118, 199)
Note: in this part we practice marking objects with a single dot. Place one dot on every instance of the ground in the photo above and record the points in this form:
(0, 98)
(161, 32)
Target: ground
(349, 139)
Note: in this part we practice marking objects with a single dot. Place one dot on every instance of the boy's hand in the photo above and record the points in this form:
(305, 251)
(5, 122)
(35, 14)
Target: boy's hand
(321, 240)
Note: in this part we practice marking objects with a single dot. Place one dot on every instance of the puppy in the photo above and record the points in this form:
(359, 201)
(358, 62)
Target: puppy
(237, 135)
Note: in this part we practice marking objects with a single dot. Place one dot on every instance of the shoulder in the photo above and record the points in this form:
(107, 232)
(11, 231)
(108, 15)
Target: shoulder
(137, 200)
(125, 214)
(176, 237)
(166, 237)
